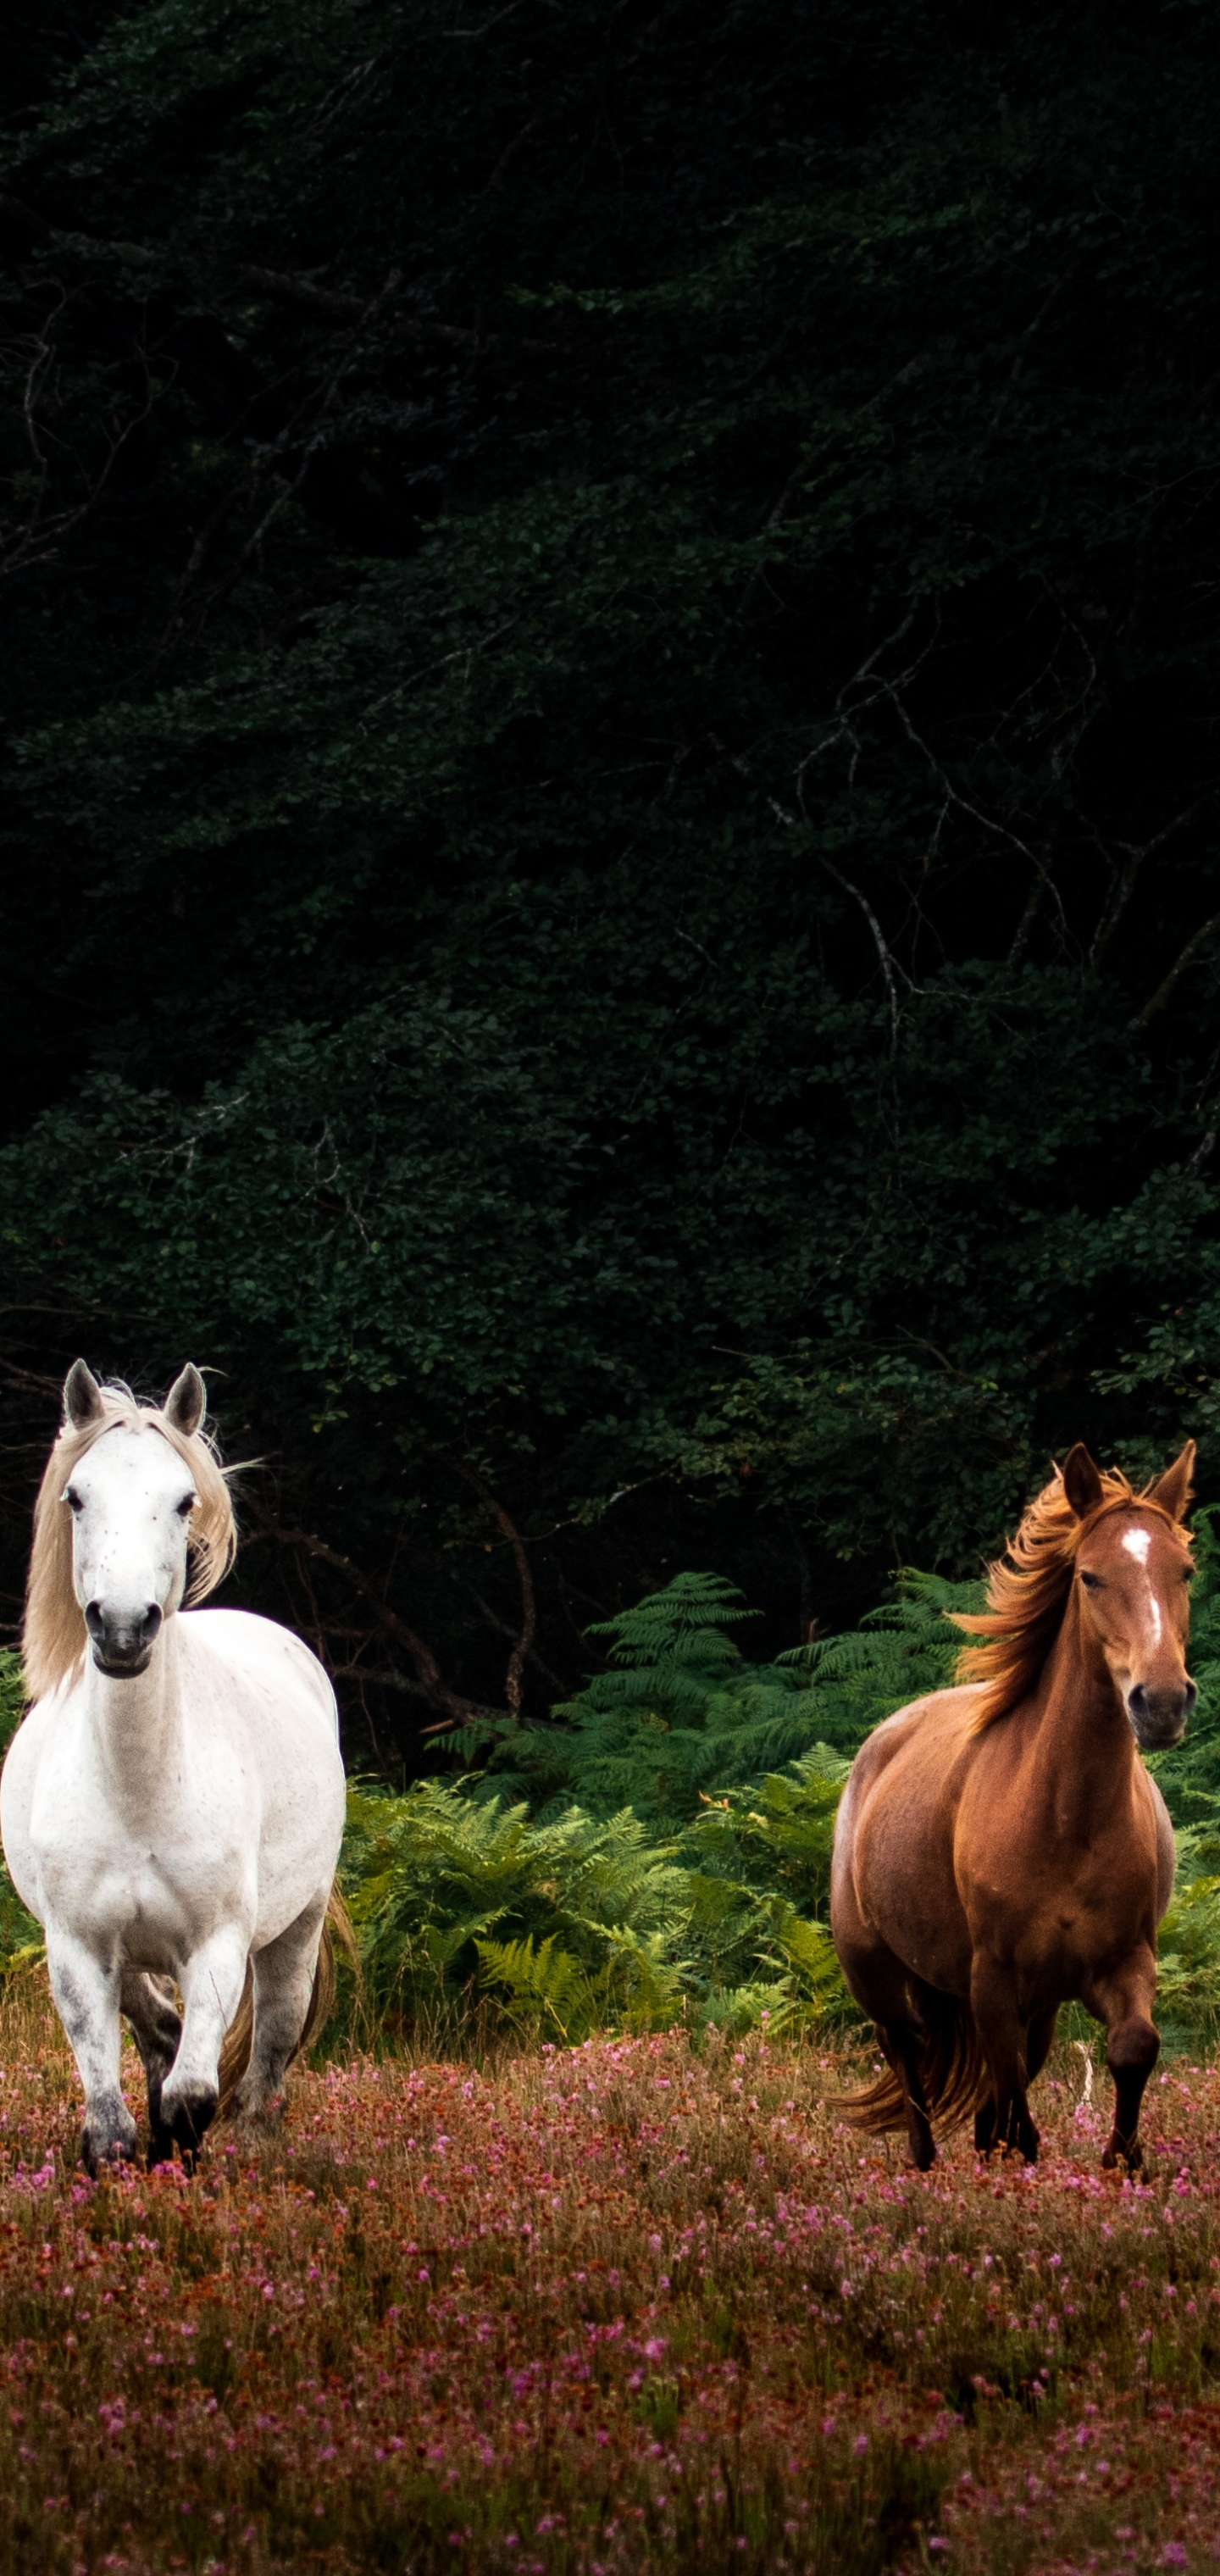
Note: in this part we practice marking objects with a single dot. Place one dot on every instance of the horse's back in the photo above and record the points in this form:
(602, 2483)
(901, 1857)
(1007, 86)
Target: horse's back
(913, 1753)
(259, 1651)
(893, 1879)
(272, 1713)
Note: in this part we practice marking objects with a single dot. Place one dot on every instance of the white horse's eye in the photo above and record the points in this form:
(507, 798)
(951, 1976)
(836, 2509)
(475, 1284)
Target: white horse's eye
(74, 1501)
(187, 1505)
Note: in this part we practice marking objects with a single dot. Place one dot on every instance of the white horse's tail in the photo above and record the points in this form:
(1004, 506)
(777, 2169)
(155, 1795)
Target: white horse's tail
(239, 2038)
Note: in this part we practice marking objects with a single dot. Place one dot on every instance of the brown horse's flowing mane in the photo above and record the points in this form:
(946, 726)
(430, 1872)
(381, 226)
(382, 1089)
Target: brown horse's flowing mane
(54, 1638)
(1027, 1590)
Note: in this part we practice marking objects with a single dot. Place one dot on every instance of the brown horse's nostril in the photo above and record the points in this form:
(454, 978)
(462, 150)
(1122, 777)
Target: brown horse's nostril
(1158, 1712)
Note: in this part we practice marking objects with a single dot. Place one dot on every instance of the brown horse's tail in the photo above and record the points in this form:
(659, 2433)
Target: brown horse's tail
(337, 1929)
(951, 2066)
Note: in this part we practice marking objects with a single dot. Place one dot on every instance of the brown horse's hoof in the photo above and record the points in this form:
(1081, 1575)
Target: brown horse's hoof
(1120, 2152)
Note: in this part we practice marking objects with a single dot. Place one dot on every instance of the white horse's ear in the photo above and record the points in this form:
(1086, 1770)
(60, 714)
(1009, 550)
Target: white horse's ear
(82, 1397)
(187, 1401)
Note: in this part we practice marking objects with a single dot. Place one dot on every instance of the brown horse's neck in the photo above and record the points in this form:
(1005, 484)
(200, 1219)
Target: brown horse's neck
(1083, 1749)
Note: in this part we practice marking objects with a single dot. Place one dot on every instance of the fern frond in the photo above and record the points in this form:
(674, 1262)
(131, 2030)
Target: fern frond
(546, 1984)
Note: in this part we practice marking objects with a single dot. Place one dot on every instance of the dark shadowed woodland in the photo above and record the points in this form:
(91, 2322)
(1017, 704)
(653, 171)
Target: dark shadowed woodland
(610, 903)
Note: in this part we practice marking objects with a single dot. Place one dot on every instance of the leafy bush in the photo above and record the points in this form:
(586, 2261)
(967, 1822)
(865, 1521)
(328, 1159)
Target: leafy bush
(567, 1925)
(681, 1714)
(662, 1847)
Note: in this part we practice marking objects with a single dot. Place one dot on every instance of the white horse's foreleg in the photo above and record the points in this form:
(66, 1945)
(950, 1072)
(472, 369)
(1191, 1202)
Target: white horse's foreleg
(87, 1998)
(148, 2002)
(283, 1984)
(211, 1992)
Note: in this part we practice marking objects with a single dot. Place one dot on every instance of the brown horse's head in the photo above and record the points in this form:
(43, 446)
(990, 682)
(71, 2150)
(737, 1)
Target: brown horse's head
(1132, 1572)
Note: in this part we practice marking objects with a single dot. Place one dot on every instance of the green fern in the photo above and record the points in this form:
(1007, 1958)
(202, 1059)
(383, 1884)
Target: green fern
(434, 1875)
(682, 1714)
(547, 1986)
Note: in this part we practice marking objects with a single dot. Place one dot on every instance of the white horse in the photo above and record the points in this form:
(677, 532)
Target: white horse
(172, 1806)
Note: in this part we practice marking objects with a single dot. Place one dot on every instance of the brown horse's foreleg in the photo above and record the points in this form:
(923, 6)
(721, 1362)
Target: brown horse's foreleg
(1133, 2044)
(1038, 2042)
(1005, 2120)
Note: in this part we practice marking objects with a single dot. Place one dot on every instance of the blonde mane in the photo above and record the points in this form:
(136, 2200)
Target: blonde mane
(54, 1637)
(1027, 1590)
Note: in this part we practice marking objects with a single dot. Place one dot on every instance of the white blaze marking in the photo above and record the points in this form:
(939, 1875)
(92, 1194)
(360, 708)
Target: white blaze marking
(1137, 1543)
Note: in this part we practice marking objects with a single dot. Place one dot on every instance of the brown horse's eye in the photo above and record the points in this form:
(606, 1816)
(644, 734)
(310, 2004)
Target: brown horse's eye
(1092, 1582)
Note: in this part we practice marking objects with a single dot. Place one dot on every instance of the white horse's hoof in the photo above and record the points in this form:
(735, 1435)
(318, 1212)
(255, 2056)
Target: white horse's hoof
(109, 2137)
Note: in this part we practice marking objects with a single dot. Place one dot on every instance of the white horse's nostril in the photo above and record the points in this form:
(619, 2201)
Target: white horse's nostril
(123, 1638)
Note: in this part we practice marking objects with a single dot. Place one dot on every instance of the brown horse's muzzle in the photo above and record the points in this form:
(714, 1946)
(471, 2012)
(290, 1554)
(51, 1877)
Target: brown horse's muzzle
(1158, 1713)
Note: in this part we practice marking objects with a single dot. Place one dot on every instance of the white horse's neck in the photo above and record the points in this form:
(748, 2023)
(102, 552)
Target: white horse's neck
(136, 1721)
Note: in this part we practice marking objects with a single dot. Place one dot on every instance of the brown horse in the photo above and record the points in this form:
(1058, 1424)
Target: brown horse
(1000, 1848)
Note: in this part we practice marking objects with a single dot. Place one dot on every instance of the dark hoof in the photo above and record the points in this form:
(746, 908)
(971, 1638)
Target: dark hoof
(1122, 2152)
(160, 2138)
(105, 2156)
(186, 2120)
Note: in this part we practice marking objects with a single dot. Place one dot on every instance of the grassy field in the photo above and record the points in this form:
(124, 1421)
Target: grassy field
(622, 2308)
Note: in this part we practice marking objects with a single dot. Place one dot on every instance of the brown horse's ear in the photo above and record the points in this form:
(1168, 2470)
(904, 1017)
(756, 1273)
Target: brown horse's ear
(1081, 1482)
(1172, 1490)
(187, 1402)
(82, 1397)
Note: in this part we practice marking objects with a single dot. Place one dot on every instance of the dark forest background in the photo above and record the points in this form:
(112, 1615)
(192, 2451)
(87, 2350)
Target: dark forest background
(610, 896)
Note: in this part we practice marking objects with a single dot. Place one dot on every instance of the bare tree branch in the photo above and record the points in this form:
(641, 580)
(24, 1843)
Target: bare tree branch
(428, 1683)
(884, 953)
(39, 536)
(1165, 989)
(1122, 891)
(525, 1578)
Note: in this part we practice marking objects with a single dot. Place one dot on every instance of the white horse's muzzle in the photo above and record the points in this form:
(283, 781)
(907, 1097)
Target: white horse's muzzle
(122, 1641)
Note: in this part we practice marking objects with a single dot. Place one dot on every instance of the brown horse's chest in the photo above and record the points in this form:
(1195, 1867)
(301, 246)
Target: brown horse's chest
(1057, 1897)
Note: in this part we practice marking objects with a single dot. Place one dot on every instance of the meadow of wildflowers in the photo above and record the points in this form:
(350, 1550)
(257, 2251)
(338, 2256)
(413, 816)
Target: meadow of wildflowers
(631, 2306)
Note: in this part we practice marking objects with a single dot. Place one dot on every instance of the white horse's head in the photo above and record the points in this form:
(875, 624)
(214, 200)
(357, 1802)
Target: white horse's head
(131, 1496)
(133, 1515)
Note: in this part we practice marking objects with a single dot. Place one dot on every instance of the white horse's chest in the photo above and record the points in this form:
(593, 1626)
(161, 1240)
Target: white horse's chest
(150, 1909)
(146, 1877)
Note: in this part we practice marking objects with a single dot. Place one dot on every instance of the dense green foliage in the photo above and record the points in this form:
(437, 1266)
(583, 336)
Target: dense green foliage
(610, 892)
(638, 1859)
